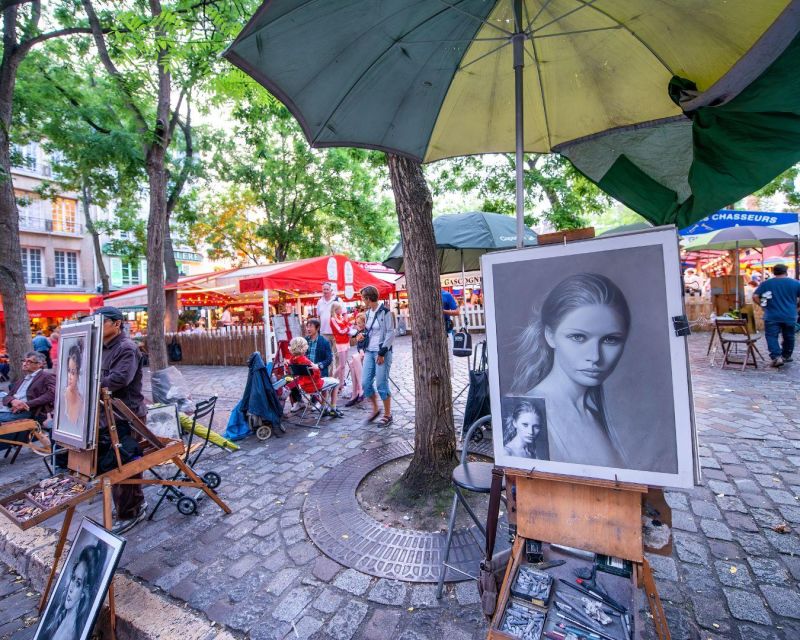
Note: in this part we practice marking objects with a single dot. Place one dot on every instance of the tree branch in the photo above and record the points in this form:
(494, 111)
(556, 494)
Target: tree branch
(74, 102)
(27, 45)
(36, 14)
(105, 58)
(7, 4)
(186, 168)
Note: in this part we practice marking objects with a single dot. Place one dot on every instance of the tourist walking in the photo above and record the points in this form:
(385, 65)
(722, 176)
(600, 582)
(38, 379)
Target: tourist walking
(779, 296)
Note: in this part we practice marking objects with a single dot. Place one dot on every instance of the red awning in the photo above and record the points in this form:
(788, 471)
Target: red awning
(307, 276)
(56, 305)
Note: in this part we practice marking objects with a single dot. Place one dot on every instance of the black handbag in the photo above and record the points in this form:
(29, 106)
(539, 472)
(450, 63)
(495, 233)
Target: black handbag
(174, 350)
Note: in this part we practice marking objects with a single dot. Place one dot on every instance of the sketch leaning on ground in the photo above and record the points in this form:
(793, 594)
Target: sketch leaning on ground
(592, 379)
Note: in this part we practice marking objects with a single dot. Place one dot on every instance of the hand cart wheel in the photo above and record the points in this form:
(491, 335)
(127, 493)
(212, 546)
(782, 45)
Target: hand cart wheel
(187, 506)
(477, 436)
(212, 479)
(264, 432)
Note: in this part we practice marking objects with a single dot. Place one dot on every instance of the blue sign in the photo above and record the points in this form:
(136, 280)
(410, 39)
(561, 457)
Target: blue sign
(725, 218)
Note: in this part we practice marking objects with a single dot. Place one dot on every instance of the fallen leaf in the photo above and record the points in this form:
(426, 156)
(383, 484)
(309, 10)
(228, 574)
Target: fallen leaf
(734, 569)
(781, 528)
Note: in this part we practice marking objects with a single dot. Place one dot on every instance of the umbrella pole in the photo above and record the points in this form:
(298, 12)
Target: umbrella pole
(518, 43)
(267, 332)
(463, 280)
(737, 275)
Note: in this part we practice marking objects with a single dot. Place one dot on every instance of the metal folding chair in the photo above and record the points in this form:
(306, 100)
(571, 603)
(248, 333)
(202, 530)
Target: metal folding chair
(317, 400)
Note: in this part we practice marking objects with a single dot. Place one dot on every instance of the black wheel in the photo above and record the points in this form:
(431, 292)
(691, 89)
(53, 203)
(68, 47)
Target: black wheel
(212, 479)
(187, 506)
(477, 435)
(264, 432)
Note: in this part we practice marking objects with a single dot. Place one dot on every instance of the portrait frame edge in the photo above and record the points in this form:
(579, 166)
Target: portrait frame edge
(81, 329)
(682, 398)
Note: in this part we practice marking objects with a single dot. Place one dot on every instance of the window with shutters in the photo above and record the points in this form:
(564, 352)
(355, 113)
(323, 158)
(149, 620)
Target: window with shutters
(32, 265)
(66, 269)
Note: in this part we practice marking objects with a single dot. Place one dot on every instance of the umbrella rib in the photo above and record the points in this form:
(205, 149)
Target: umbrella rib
(478, 18)
(374, 62)
(578, 31)
(590, 4)
(584, 5)
(541, 93)
(538, 13)
(498, 38)
(485, 55)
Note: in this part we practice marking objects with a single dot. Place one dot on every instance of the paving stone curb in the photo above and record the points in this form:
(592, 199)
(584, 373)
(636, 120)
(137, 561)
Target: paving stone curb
(141, 613)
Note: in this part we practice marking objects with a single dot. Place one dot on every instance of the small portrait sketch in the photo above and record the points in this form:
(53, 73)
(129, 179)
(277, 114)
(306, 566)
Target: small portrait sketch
(163, 422)
(525, 428)
(80, 590)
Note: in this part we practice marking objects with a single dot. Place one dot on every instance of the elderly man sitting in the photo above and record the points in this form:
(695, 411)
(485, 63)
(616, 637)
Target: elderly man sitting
(30, 397)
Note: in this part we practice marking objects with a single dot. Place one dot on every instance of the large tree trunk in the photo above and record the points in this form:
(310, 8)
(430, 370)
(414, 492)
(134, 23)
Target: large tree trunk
(434, 436)
(98, 248)
(12, 281)
(156, 347)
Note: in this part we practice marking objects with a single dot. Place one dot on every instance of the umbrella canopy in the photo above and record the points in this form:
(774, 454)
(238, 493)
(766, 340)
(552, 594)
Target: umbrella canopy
(735, 238)
(462, 238)
(675, 107)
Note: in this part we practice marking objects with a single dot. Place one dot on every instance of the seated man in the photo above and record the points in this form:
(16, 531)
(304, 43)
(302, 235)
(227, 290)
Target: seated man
(30, 397)
(298, 348)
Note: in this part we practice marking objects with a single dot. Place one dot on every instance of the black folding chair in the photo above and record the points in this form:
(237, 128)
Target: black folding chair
(185, 503)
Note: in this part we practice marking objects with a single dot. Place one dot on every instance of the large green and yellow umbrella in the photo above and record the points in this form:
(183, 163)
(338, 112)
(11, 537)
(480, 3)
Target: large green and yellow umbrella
(675, 107)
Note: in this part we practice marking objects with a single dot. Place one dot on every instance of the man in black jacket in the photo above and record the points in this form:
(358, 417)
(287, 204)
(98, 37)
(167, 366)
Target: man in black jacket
(121, 374)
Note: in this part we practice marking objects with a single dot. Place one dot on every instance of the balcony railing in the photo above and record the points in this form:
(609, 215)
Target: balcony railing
(48, 225)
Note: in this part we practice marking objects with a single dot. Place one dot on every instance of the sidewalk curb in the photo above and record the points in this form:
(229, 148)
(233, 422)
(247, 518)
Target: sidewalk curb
(141, 614)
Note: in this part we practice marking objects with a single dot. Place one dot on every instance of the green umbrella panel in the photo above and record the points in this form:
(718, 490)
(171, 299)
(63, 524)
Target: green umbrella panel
(676, 107)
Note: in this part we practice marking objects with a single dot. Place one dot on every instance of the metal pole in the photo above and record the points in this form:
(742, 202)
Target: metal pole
(518, 43)
(267, 332)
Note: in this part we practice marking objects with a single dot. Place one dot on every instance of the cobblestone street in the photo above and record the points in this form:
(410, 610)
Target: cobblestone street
(733, 574)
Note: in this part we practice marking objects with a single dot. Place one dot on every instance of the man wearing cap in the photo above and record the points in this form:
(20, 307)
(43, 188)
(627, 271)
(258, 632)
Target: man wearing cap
(324, 305)
(121, 374)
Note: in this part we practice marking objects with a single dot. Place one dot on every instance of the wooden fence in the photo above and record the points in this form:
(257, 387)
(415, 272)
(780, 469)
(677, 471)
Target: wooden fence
(220, 347)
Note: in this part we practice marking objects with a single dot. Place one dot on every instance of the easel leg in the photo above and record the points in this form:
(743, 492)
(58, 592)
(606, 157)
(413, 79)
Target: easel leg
(202, 485)
(62, 538)
(659, 619)
(108, 523)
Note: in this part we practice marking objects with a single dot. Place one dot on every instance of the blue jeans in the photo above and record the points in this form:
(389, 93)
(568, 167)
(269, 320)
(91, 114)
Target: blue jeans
(772, 330)
(374, 372)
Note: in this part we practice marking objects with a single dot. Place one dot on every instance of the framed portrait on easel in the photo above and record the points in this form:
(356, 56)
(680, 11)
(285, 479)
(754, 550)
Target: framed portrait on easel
(82, 585)
(589, 376)
(77, 384)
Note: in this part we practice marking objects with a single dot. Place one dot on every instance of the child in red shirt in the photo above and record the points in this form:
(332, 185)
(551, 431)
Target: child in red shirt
(310, 384)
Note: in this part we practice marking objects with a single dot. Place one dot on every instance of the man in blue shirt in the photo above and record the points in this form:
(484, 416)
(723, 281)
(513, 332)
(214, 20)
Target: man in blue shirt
(778, 296)
(42, 345)
(449, 310)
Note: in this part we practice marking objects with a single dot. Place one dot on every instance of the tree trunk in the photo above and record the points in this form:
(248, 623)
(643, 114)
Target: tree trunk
(171, 269)
(12, 280)
(98, 249)
(156, 347)
(434, 436)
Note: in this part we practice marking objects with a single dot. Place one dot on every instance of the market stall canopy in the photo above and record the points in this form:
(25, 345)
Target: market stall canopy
(675, 108)
(307, 276)
(56, 305)
(735, 238)
(462, 238)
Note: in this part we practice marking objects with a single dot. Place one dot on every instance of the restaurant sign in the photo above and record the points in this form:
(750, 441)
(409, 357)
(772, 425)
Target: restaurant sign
(725, 218)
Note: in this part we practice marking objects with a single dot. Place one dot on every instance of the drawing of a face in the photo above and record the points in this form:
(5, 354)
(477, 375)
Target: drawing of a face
(73, 372)
(76, 584)
(588, 343)
(528, 426)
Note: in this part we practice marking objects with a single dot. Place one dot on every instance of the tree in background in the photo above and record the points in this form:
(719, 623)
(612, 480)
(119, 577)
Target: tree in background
(24, 27)
(566, 198)
(787, 185)
(63, 103)
(286, 200)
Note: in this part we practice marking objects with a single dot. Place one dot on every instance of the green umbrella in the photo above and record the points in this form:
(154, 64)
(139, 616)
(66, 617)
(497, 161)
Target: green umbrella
(675, 107)
(462, 238)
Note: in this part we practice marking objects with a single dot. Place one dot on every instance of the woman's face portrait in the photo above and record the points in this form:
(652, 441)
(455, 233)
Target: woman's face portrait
(588, 343)
(73, 373)
(76, 584)
(528, 426)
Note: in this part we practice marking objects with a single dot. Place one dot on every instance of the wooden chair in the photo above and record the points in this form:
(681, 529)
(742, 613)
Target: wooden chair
(733, 333)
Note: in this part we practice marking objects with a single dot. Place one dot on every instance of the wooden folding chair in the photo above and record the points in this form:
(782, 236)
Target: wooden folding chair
(733, 333)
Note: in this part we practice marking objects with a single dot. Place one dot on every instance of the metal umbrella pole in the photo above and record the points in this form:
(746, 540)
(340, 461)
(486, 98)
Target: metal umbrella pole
(518, 43)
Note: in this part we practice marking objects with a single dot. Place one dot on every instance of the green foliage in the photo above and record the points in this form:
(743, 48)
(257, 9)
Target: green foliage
(565, 198)
(287, 200)
(788, 185)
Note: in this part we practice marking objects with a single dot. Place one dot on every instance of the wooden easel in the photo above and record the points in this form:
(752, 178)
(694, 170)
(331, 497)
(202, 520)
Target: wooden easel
(156, 451)
(34, 430)
(596, 515)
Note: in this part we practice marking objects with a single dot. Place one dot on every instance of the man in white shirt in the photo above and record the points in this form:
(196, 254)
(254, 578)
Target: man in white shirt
(29, 397)
(324, 314)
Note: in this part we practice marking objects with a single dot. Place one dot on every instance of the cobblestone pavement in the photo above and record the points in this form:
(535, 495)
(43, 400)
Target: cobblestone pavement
(732, 575)
(18, 612)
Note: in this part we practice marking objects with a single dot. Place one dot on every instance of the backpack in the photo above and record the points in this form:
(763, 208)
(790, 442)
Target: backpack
(462, 342)
(174, 350)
